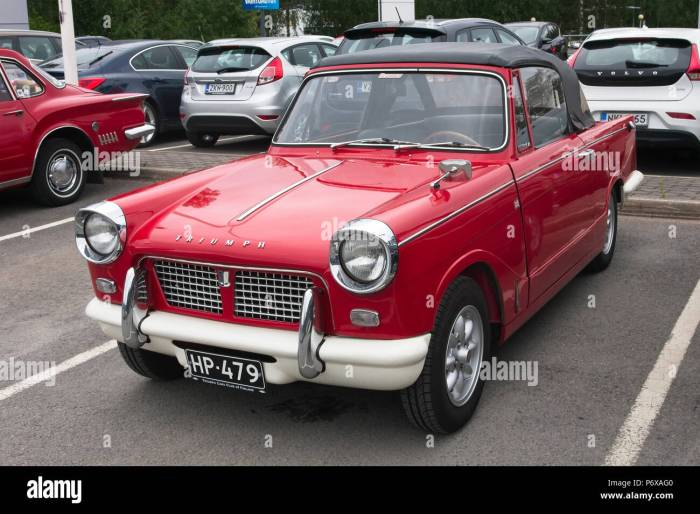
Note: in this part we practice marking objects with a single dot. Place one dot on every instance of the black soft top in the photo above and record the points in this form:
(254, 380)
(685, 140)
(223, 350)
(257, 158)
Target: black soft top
(485, 54)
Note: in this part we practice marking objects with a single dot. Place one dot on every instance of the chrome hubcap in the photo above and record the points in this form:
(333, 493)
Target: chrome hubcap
(610, 233)
(465, 351)
(150, 117)
(63, 173)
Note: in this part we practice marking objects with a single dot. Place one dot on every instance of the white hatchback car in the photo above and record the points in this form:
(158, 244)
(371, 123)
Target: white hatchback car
(244, 86)
(653, 74)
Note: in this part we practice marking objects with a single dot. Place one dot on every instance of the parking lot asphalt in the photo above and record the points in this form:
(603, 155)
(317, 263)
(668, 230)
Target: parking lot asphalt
(595, 345)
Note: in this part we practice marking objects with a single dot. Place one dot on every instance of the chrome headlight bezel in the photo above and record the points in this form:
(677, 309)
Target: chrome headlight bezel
(114, 215)
(359, 230)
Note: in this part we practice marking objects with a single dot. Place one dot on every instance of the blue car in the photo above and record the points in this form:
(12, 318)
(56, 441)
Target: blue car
(156, 68)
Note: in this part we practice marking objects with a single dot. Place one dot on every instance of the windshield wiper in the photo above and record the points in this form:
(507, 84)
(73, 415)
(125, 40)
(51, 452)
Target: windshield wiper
(99, 58)
(372, 140)
(230, 70)
(454, 144)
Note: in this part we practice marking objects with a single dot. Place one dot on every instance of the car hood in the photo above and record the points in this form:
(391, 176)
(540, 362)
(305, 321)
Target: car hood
(272, 210)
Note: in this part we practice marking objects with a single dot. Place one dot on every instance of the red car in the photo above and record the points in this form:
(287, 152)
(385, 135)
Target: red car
(416, 207)
(49, 131)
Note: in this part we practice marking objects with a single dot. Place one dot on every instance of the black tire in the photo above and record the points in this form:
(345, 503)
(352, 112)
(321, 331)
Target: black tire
(202, 140)
(151, 116)
(43, 187)
(604, 258)
(426, 402)
(150, 364)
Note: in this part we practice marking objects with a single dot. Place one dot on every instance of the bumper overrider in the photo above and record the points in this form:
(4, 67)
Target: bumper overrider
(137, 133)
(306, 355)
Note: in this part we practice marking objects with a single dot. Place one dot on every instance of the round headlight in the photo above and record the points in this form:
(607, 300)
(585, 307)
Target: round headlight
(101, 234)
(364, 256)
(364, 261)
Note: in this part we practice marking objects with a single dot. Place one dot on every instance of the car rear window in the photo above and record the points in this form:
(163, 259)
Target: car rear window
(527, 33)
(86, 58)
(370, 40)
(633, 61)
(230, 58)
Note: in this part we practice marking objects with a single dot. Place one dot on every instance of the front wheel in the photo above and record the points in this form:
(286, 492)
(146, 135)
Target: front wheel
(151, 365)
(446, 394)
(605, 257)
(202, 140)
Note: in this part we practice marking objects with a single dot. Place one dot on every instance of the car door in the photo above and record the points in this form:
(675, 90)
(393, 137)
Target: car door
(553, 198)
(162, 71)
(16, 127)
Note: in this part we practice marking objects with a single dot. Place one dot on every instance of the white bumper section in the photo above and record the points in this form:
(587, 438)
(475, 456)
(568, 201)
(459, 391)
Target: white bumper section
(385, 365)
(633, 182)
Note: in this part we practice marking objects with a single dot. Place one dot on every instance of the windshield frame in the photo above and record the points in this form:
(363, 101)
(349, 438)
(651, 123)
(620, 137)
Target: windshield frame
(412, 69)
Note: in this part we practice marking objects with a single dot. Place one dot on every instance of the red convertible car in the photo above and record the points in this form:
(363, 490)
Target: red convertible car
(417, 205)
(50, 131)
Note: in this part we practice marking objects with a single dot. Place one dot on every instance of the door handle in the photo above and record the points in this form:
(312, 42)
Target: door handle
(18, 112)
(586, 154)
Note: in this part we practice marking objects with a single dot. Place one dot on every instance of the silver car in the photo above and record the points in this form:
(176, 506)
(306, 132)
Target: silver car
(243, 86)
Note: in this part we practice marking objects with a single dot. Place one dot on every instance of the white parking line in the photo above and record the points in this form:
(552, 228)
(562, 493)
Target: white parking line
(25, 233)
(79, 359)
(188, 145)
(636, 427)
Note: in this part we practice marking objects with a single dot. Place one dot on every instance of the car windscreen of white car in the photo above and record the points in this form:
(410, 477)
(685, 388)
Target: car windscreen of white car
(458, 110)
(227, 59)
(633, 62)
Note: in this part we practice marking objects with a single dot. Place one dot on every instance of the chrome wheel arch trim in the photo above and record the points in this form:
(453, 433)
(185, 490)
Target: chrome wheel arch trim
(47, 134)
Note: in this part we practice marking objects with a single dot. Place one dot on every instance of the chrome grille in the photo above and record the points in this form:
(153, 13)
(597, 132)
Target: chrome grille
(270, 296)
(189, 286)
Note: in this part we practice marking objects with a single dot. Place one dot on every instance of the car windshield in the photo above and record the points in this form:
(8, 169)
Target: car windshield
(526, 33)
(462, 110)
(233, 58)
(372, 40)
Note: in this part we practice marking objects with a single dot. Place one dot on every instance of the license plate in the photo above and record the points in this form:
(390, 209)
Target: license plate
(224, 370)
(640, 119)
(221, 89)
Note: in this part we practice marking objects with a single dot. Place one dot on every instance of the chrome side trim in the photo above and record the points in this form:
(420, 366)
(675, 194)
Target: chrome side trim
(454, 214)
(569, 153)
(272, 198)
(131, 97)
(15, 182)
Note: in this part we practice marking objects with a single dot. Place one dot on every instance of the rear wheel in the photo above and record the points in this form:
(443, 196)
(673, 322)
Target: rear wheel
(150, 364)
(446, 394)
(58, 177)
(202, 140)
(604, 258)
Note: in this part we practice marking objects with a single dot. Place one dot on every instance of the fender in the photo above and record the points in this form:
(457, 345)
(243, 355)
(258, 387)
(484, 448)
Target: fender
(40, 141)
(506, 282)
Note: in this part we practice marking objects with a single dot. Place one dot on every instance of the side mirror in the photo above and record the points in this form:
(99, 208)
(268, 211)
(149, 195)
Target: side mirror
(453, 168)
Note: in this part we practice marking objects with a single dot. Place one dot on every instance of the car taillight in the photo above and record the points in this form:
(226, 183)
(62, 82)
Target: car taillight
(572, 60)
(273, 71)
(694, 68)
(91, 82)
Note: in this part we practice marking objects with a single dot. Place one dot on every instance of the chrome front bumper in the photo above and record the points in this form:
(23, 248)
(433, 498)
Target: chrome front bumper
(306, 355)
(144, 130)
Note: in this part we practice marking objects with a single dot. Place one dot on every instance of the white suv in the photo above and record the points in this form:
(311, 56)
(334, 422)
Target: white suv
(653, 74)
